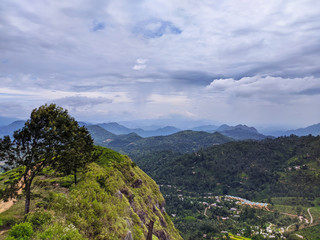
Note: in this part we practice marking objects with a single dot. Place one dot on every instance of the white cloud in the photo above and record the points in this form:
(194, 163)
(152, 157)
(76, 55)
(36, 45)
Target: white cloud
(265, 87)
(49, 50)
(139, 67)
(140, 64)
(141, 61)
(172, 99)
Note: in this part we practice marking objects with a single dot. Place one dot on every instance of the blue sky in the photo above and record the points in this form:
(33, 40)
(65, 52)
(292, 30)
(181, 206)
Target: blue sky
(251, 62)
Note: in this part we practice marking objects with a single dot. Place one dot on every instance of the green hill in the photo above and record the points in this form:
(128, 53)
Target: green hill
(286, 166)
(282, 172)
(181, 142)
(114, 199)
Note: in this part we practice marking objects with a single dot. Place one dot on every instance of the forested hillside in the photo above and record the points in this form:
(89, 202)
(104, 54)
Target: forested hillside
(286, 166)
(282, 172)
(136, 147)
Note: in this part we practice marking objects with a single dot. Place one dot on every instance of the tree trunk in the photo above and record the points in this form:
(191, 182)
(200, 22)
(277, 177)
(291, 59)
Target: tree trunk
(75, 177)
(150, 230)
(28, 197)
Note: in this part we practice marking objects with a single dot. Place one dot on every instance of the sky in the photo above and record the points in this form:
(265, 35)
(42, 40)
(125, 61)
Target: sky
(232, 61)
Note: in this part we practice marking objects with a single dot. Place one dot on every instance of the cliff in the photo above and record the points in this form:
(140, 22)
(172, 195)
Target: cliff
(114, 199)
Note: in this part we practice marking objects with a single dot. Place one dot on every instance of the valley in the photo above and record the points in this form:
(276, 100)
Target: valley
(219, 187)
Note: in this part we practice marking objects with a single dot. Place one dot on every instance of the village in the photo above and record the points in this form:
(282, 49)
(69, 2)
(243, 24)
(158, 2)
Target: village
(252, 218)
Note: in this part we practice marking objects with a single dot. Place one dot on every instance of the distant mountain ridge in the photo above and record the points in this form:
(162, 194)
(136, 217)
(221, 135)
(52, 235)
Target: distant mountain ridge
(313, 130)
(9, 129)
(133, 144)
(241, 132)
(238, 132)
(6, 120)
(116, 128)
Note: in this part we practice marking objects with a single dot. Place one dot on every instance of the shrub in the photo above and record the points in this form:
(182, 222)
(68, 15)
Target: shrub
(21, 231)
(39, 218)
(61, 232)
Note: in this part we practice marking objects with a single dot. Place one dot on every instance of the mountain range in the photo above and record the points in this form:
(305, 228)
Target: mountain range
(313, 130)
(9, 129)
(238, 132)
(116, 128)
(133, 144)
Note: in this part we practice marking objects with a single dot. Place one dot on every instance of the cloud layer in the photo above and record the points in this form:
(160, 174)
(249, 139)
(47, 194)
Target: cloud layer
(230, 61)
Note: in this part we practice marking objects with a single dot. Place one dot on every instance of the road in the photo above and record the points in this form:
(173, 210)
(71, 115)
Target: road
(311, 218)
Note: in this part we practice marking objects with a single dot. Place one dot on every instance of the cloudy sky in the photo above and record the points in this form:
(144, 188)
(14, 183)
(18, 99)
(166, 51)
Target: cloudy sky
(232, 61)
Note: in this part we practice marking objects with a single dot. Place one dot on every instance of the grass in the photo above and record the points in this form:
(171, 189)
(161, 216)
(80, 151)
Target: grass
(238, 237)
(93, 207)
(310, 232)
(315, 212)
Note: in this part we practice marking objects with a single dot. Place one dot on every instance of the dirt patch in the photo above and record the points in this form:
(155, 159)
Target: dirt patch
(4, 206)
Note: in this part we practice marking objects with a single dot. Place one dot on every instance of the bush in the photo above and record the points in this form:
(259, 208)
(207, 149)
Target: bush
(21, 231)
(39, 218)
(61, 232)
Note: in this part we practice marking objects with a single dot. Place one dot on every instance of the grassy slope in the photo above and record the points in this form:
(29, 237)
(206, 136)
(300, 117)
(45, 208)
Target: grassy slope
(112, 198)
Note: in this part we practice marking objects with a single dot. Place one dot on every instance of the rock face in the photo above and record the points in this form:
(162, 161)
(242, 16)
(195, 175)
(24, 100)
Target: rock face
(128, 236)
(136, 197)
(137, 183)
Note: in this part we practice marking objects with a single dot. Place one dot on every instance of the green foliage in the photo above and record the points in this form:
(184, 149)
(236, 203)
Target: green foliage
(282, 171)
(59, 231)
(105, 204)
(137, 147)
(39, 218)
(312, 232)
(254, 169)
(49, 138)
(189, 218)
(21, 231)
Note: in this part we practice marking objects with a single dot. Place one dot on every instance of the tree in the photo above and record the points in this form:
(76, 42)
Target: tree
(79, 153)
(46, 139)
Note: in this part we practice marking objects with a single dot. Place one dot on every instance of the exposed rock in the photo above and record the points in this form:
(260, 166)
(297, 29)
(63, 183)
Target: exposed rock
(129, 223)
(128, 236)
(154, 209)
(131, 197)
(162, 222)
(137, 183)
(142, 215)
(162, 207)
(161, 235)
(124, 191)
(118, 194)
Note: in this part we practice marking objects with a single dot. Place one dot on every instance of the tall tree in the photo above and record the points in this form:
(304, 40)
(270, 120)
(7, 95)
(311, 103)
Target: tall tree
(44, 141)
(80, 152)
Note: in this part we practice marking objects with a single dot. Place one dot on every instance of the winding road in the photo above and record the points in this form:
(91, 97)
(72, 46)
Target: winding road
(311, 218)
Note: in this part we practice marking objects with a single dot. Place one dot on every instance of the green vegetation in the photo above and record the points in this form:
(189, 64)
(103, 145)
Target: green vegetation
(49, 138)
(112, 199)
(310, 232)
(238, 237)
(137, 147)
(250, 169)
(21, 231)
(283, 172)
